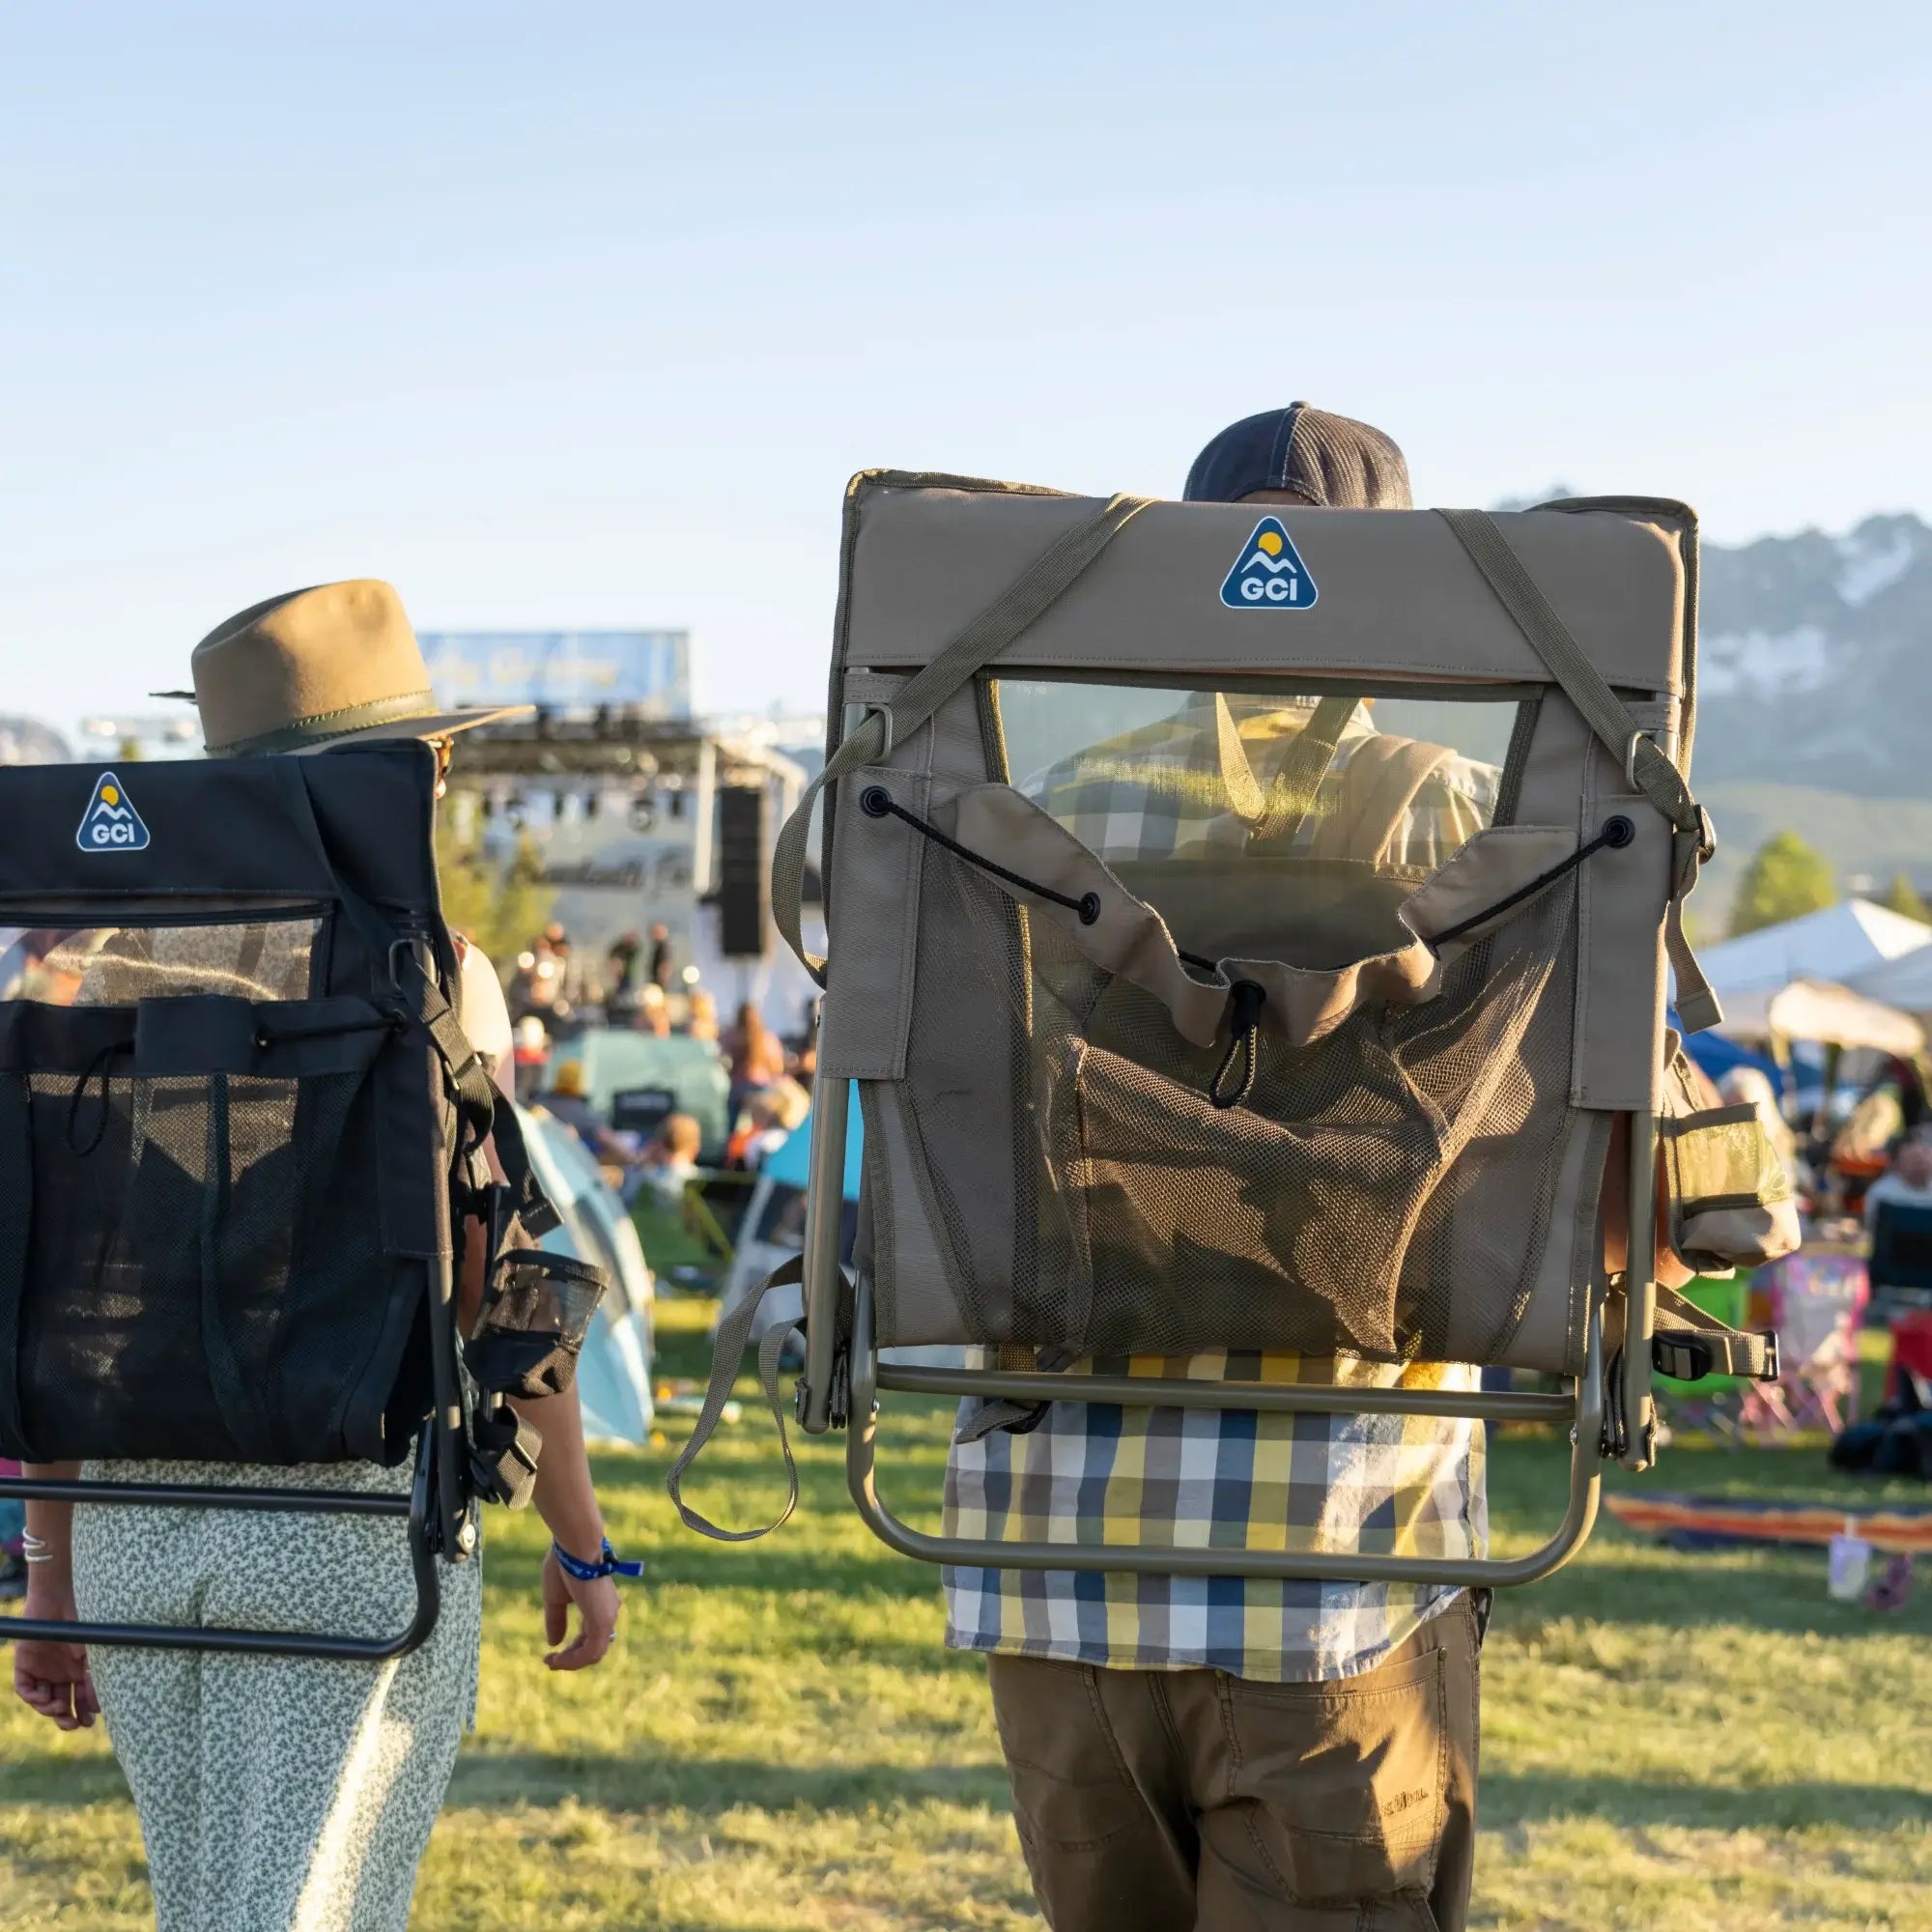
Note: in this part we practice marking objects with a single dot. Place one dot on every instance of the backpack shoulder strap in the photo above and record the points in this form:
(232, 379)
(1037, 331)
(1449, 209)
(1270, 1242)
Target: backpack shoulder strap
(1378, 791)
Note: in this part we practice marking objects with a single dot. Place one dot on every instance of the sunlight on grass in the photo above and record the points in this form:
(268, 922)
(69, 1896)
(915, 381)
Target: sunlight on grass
(1689, 1744)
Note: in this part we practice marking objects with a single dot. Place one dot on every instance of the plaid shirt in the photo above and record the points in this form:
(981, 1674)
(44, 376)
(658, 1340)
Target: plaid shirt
(1191, 784)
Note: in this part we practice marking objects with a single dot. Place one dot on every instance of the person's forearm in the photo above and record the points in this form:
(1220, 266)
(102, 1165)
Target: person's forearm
(564, 1496)
(51, 1526)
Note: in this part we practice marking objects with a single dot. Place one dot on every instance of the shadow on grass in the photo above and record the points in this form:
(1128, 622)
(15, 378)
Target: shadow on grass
(61, 1781)
(1781, 1592)
(1530, 1798)
(711, 1787)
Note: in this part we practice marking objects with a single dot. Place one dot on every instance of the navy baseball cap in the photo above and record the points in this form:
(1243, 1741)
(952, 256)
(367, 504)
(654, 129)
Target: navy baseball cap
(1333, 461)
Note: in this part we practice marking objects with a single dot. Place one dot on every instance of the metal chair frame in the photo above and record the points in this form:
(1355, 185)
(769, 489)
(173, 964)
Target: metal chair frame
(1583, 1407)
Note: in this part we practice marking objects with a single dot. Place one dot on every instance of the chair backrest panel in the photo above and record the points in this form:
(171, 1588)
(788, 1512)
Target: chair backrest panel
(1368, 798)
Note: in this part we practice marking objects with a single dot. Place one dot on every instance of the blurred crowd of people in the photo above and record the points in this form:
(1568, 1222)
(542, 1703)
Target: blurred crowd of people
(556, 995)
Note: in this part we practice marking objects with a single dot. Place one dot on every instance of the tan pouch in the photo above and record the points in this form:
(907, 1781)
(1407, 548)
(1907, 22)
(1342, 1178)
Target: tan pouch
(1729, 1198)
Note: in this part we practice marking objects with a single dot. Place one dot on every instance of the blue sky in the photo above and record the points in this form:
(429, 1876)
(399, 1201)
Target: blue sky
(575, 316)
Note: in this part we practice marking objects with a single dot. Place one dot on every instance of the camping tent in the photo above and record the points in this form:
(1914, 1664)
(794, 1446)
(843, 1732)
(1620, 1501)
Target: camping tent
(1817, 1010)
(1904, 982)
(614, 1371)
(1839, 943)
(773, 1229)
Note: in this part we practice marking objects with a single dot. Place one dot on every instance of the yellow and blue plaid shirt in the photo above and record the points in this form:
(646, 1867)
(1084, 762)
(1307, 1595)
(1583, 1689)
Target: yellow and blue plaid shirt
(1231, 1479)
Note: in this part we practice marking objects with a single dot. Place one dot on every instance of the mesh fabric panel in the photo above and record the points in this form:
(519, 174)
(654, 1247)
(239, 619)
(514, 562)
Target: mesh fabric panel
(1383, 1192)
(205, 1277)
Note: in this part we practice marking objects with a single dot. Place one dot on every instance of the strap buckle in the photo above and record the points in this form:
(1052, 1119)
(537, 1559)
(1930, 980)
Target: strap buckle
(1683, 1357)
(884, 714)
(1707, 837)
(1637, 738)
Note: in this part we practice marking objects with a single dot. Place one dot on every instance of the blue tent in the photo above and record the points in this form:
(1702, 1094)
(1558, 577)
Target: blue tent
(787, 1164)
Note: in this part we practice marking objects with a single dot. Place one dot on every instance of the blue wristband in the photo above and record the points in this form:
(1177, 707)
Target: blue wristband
(588, 1573)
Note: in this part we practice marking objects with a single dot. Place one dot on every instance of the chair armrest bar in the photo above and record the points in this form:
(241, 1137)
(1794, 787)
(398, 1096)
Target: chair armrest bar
(1269, 1398)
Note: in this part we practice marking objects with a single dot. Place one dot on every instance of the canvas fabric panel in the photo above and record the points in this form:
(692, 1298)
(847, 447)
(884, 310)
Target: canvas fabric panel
(1398, 596)
(1047, 1163)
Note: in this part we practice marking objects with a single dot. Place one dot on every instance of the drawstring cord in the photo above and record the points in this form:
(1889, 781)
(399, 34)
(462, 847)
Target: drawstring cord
(103, 1063)
(1246, 1000)
(1617, 832)
(877, 802)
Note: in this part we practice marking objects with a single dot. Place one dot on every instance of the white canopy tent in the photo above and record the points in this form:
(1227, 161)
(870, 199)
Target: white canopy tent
(1905, 982)
(1821, 1011)
(1841, 943)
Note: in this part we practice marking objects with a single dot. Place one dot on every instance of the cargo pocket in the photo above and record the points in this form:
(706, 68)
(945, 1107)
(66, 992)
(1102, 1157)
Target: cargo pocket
(170, 1152)
(1343, 1785)
(1730, 1199)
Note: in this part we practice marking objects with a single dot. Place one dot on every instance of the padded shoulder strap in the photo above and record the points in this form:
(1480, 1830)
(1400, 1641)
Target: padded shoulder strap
(1379, 784)
(1693, 840)
(1042, 584)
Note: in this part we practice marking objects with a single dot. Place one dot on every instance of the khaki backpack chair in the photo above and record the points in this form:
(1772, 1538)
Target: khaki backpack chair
(1250, 932)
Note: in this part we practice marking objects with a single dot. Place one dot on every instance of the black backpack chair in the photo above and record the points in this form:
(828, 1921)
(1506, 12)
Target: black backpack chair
(241, 1137)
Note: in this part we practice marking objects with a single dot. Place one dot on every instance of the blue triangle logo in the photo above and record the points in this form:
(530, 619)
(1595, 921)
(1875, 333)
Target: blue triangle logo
(1269, 573)
(110, 823)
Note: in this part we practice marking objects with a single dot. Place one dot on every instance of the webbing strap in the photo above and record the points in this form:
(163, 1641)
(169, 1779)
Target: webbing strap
(727, 1353)
(482, 1110)
(1732, 1352)
(1298, 782)
(1023, 602)
(1609, 717)
(16, 1218)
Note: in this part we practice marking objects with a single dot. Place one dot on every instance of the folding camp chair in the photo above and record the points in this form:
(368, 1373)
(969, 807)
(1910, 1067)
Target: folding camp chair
(1335, 1069)
(240, 1137)
(1901, 1256)
(1815, 1301)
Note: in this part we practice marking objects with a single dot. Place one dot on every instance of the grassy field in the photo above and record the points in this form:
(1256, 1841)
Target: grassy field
(1682, 1744)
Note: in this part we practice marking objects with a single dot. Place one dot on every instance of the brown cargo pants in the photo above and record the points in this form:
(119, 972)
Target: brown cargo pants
(1189, 1801)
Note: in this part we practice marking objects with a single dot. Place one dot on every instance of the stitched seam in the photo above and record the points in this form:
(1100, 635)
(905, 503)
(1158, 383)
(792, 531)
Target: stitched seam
(1441, 1761)
(1244, 662)
(1262, 1851)
(1091, 1681)
(1224, 1696)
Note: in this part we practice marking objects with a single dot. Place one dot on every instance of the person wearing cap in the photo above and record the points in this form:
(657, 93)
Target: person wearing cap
(284, 1794)
(1236, 1753)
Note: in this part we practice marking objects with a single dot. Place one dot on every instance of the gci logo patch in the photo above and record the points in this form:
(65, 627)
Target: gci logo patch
(110, 823)
(1269, 573)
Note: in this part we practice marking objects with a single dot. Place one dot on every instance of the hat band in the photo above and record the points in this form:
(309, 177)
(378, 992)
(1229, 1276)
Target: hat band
(335, 723)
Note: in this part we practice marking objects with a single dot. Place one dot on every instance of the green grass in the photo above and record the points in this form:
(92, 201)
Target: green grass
(1677, 1743)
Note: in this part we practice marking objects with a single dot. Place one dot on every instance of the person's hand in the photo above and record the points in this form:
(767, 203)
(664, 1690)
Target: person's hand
(597, 1605)
(53, 1678)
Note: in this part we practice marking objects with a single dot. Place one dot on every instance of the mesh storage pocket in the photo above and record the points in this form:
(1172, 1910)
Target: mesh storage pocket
(1280, 1223)
(196, 1271)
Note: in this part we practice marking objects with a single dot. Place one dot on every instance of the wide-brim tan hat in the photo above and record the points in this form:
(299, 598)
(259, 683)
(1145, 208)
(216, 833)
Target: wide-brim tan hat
(316, 668)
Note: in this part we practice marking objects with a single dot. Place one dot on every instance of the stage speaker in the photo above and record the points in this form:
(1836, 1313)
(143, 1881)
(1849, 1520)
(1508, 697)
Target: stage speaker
(743, 873)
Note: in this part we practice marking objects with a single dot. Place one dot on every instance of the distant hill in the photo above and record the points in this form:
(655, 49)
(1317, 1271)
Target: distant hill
(1816, 662)
(26, 741)
(1814, 703)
